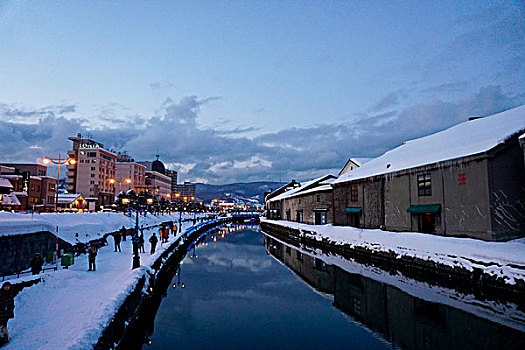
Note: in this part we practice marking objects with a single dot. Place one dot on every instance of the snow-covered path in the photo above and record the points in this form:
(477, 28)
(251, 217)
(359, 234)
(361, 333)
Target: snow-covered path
(503, 259)
(70, 308)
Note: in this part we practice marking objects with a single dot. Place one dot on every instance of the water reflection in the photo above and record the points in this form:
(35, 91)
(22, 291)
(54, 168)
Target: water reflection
(238, 297)
(407, 313)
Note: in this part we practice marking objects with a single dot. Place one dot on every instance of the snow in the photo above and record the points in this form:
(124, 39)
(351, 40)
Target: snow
(10, 199)
(506, 313)
(70, 308)
(502, 259)
(303, 187)
(360, 161)
(5, 183)
(464, 139)
(89, 226)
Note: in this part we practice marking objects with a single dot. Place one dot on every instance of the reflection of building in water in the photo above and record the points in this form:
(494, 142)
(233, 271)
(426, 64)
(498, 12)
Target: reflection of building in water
(402, 319)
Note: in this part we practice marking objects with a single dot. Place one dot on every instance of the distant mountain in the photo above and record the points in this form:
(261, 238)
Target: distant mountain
(240, 193)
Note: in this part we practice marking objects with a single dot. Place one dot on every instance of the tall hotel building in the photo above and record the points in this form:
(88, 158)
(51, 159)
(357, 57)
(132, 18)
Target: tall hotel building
(91, 175)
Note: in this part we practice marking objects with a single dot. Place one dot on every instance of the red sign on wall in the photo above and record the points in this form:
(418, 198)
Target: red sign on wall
(462, 179)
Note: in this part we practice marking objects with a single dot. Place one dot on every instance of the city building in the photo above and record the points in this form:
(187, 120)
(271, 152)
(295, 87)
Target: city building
(92, 173)
(127, 168)
(34, 169)
(173, 175)
(158, 185)
(467, 180)
(71, 202)
(186, 189)
(273, 208)
(310, 202)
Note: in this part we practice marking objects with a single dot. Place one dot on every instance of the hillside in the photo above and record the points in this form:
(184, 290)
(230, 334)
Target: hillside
(250, 192)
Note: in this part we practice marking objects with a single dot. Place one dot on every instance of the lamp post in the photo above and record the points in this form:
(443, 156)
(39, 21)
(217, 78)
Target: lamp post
(58, 161)
(120, 181)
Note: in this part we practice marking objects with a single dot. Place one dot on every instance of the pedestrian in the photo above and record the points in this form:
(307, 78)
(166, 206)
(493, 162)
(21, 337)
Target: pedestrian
(175, 229)
(166, 234)
(123, 233)
(36, 264)
(92, 255)
(153, 240)
(117, 237)
(141, 241)
(7, 307)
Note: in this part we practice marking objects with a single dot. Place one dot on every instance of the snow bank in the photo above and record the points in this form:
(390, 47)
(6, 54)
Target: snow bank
(506, 313)
(502, 259)
(89, 226)
(70, 308)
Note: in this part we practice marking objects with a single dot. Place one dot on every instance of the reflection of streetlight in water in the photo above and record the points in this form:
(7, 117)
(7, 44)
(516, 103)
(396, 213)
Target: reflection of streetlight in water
(178, 283)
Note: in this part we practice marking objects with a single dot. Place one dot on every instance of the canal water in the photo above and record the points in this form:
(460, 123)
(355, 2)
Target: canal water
(239, 288)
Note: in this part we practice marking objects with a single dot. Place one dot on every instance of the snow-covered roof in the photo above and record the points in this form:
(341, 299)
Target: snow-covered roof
(5, 183)
(361, 161)
(11, 176)
(464, 139)
(10, 199)
(305, 186)
(67, 198)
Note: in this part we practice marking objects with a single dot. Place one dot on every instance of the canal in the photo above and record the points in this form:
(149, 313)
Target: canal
(239, 288)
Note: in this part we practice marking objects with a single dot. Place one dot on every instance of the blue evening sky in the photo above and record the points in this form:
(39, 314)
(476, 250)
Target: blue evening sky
(252, 90)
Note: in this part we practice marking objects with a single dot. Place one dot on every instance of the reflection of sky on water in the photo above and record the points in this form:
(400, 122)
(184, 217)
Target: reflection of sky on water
(238, 297)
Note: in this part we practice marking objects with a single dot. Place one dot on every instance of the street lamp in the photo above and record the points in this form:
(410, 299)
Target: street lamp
(58, 161)
(120, 181)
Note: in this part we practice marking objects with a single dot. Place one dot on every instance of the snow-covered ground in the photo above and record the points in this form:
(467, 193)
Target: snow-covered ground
(502, 259)
(89, 226)
(70, 308)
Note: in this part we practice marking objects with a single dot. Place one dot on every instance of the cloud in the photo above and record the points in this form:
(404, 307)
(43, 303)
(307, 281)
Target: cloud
(390, 100)
(157, 86)
(457, 86)
(225, 157)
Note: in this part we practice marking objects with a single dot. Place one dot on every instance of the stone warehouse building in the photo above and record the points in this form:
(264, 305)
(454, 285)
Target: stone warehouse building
(467, 180)
(310, 202)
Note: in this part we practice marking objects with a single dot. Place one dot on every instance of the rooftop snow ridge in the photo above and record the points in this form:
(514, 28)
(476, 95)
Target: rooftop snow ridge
(464, 139)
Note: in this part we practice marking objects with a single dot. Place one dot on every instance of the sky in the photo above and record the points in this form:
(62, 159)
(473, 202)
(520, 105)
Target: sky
(240, 91)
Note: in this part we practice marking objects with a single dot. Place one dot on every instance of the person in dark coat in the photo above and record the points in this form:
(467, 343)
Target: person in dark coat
(7, 307)
(141, 242)
(117, 237)
(36, 264)
(123, 233)
(92, 255)
(153, 240)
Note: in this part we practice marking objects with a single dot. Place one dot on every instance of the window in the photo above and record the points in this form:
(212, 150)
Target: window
(92, 182)
(318, 198)
(92, 168)
(92, 175)
(50, 199)
(288, 250)
(353, 193)
(424, 185)
(92, 154)
(82, 161)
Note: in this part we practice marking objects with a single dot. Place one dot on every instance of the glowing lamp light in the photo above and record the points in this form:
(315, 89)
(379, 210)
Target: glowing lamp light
(177, 195)
(72, 161)
(125, 200)
(111, 181)
(149, 201)
(128, 181)
(46, 160)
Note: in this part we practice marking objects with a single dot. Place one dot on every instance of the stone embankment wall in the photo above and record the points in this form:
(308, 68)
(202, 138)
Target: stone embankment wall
(475, 282)
(129, 327)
